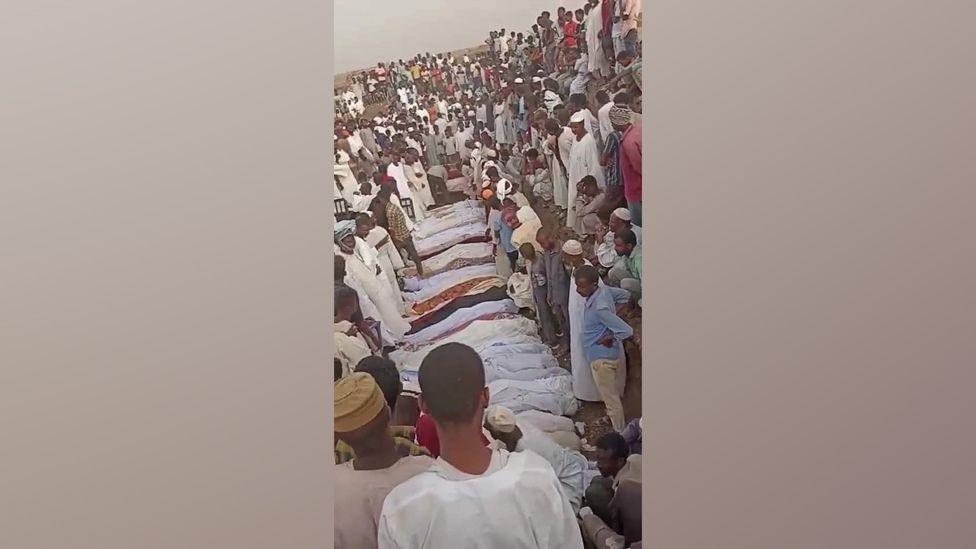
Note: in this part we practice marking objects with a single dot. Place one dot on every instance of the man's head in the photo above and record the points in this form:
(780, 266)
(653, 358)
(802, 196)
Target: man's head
(510, 218)
(364, 224)
(492, 174)
(625, 58)
(553, 127)
(411, 156)
(386, 375)
(339, 269)
(620, 118)
(624, 242)
(573, 253)
(500, 423)
(588, 186)
(602, 97)
(578, 125)
(620, 220)
(527, 251)
(611, 454)
(346, 303)
(362, 417)
(546, 238)
(587, 280)
(452, 386)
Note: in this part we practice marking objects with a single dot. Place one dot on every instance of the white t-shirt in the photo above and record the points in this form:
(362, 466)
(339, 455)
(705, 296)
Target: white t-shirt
(515, 504)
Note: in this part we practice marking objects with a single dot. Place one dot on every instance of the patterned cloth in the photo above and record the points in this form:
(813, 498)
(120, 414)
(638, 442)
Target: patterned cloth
(402, 437)
(612, 152)
(397, 222)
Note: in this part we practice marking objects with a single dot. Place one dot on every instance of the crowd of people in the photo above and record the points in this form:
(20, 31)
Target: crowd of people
(488, 274)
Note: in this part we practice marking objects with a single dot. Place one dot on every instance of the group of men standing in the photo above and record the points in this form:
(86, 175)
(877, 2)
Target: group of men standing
(545, 129)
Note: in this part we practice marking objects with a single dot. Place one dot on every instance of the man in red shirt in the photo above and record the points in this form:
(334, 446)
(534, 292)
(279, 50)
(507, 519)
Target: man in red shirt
(631, 157)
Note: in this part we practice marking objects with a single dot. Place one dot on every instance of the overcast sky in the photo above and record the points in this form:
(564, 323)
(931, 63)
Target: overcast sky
(369, 31)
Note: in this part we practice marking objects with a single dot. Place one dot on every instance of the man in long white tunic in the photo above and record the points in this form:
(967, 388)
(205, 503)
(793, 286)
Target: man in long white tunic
(417, 178)
(397, 172)
(584, 387)
(378, 241)
(584, 160)
(364, 268)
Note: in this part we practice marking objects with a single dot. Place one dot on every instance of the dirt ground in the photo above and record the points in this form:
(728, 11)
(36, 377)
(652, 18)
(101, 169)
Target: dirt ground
(590, 413)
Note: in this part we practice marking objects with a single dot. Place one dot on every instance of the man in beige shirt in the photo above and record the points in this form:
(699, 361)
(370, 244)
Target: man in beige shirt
(362, 420)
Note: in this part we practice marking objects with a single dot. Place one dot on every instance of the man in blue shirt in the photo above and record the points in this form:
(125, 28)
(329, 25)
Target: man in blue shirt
(503, 233)
(602, 337)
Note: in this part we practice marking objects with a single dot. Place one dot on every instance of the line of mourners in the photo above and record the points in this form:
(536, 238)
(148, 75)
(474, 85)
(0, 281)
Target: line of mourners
(487, 278)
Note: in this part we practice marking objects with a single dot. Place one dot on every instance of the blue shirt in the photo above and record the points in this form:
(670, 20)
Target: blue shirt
(600, 318)
(504, 234)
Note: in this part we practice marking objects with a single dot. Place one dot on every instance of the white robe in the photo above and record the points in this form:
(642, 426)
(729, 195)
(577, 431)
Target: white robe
(584, 159)
(387, 257)
(349, 191)
(516, 504)
(420, 187)
(398, 173)
(361, 266)
(349, 349)
(583, 385)
(597, 60)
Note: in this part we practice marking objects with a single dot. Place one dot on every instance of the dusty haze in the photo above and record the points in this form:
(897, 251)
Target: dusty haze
(367, 32)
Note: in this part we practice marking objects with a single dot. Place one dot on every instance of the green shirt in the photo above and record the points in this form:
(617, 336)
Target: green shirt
(633, 262)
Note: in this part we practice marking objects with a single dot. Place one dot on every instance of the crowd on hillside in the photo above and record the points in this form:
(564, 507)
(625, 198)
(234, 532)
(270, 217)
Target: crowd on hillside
(488, 270)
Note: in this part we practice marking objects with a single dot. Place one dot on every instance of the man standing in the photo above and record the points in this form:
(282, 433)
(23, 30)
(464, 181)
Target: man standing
(417, 178)
(432, 139)
(631, 158)
(397, 226)
(396, 170)
(584, 160)
(602, 331)
(557, 280)
(362, 421)
(473, 496)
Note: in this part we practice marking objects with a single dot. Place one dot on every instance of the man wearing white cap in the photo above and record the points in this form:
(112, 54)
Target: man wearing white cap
(584, 160)
(584, 385)
(606, 253)
(519, 437)
(396, 170)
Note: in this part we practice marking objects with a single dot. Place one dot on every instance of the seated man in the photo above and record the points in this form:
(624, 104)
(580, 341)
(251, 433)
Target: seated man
(615, 496)
(629, 274)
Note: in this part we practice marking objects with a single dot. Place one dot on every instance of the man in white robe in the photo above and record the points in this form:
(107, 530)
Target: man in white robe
(584, 386)
(473, 497)
(397, 172)
(417, 178)
(584, 160)
(364, 268)
(378, 240)
(350, 346)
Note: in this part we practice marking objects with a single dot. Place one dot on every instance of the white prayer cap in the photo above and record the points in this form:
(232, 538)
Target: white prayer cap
(504, 188)
(536, 79)
(410, 129)
(622, 214)
(489, 164)
(500, 419)
(577, 118)
(573, 247)
(491, 153)
(470, 113)
(519, 81)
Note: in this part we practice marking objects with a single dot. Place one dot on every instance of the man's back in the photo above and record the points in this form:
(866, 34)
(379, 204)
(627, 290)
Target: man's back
(516, 504)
